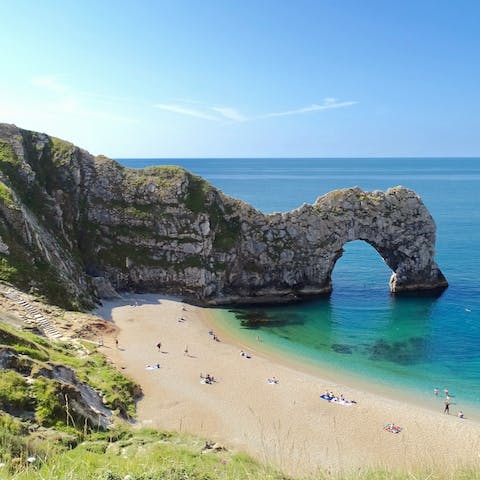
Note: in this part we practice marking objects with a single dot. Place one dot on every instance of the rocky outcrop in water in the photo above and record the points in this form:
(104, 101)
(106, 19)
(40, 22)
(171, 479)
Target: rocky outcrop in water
(70, 221)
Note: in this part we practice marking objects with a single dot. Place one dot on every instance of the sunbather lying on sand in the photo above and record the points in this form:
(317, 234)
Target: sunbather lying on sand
(152, 367)
(207, 379)
(392, 428)
(330, 397)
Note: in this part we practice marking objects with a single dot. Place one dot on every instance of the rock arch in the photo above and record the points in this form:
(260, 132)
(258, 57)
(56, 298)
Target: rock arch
(397, 225)
(297, 255)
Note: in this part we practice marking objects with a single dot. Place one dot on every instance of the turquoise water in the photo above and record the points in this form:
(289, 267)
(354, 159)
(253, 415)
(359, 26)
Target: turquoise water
(414, 343)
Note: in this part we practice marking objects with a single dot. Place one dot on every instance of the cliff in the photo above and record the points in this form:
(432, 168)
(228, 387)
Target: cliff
(72, 226)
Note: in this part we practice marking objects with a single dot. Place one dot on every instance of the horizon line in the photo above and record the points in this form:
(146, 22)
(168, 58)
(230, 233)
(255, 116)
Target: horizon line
(472, 157)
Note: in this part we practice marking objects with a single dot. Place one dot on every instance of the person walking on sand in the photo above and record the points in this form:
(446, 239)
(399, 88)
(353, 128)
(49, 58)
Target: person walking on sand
(116, 342)
(447, 406)
(185, 352)
(159, 346)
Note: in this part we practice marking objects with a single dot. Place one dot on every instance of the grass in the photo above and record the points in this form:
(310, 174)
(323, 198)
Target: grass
(140, 456)
(120, 392)
(123, 454)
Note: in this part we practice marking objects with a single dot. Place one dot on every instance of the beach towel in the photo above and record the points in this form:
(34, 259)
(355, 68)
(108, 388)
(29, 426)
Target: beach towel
(345, 403)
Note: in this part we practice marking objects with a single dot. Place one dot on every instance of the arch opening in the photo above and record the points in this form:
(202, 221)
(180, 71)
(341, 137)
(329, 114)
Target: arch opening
(360, 268)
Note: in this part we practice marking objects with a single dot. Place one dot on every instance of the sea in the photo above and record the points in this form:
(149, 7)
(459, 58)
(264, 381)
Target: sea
(399, 345)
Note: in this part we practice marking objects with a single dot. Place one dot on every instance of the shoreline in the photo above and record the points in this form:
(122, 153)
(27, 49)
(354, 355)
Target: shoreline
(288, 424)
(324, 372)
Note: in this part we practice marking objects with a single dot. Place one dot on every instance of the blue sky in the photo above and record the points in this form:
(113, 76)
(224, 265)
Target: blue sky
(246, 78)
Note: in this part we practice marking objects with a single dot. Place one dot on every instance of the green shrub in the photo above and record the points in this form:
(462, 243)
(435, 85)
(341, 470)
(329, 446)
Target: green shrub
(14, 392)
(6, 196)
(31, 352)
(49, 406)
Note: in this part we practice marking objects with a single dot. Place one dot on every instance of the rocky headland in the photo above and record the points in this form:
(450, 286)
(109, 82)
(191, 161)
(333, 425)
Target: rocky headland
(75, 228)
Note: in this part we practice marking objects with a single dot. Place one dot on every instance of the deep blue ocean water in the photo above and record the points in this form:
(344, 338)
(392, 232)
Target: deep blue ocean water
(411, 343)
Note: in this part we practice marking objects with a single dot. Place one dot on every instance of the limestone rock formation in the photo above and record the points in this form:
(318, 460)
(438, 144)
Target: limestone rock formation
(70, 221)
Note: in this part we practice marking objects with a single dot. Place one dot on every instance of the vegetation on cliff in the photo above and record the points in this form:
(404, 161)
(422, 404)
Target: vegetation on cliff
(28, 387)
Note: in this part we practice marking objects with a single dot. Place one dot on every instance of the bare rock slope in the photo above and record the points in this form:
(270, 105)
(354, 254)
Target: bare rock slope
(72, 226)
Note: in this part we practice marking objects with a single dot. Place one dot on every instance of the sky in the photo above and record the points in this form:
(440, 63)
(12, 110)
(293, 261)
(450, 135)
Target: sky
(245, 78)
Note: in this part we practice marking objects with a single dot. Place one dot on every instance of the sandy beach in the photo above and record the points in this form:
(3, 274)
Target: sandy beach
(285, 424)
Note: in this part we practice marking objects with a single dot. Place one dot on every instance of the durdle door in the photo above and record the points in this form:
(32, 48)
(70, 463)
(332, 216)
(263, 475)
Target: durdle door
(74, 228)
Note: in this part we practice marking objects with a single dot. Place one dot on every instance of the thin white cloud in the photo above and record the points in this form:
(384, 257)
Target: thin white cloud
(230, 114)
(183, 107)
(190, 112)
(328, 104)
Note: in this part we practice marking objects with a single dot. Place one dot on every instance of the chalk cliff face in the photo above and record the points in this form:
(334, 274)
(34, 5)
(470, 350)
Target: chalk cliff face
(72, 226)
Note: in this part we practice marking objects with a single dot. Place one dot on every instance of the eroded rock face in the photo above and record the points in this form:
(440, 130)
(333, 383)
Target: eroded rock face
(163, 229)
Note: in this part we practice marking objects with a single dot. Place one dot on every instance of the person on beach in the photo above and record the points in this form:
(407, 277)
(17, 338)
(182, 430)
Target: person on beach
(435, 391)
(447, 405)
(185, 352)
(460, 414)
(116, 343)
(392, 428)
(159, 346)
(445, 391)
